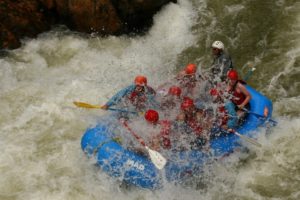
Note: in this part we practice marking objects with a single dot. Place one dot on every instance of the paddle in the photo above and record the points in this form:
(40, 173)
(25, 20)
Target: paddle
(89, 106)
(249, 73)
(248, 139)
(157, 159)
(260, 116)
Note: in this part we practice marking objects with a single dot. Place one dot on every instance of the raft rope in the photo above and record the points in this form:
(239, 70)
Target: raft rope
(99, 146)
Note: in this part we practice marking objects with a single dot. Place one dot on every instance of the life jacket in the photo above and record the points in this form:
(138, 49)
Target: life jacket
(194, 125)
(170, 103)
(165, 133)
(237, 97)
(188, 86)
(139, 100)
(221, 65)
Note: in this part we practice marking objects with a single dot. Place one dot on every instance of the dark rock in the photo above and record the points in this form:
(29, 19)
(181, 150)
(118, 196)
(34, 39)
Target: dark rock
(28, 18)
(137, 14)
(20, 19)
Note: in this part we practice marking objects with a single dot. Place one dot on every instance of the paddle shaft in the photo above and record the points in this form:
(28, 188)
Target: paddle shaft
(248, 139)
(90, 106)
(245, 138)
(134, 134)
(122, 110)
(249, 73)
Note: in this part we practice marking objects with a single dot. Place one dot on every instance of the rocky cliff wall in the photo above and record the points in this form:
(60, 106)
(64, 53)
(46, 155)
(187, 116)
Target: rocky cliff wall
(27, 18)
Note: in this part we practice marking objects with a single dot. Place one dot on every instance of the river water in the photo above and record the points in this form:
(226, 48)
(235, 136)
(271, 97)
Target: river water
(41, 129)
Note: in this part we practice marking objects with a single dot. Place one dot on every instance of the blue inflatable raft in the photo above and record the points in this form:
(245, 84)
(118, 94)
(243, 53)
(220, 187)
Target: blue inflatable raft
(138, 170)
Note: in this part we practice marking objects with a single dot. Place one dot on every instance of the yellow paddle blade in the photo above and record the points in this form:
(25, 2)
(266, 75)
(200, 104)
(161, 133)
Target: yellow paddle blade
(86, 105)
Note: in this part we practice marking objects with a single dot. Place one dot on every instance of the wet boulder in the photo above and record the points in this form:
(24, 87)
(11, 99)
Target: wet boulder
(28, 18)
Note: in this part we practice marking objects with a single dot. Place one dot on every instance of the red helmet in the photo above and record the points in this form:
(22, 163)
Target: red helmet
(190, 69)
(175, 91)
(187, 103)
(140, 80)
(151, 116)
(232, 75)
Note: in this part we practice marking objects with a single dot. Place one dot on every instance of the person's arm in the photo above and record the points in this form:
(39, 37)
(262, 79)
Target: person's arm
(117, 97)
(243, 89)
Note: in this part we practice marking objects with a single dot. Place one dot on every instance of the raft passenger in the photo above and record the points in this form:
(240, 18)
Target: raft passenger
(239, 95)
(162, 137)
(222, 62)
(226, 117)
(187, 80)
(197, 120)
(139, 95)
(172, 99)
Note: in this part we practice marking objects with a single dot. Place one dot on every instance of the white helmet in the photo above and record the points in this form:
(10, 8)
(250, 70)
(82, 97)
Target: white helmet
(218, 44)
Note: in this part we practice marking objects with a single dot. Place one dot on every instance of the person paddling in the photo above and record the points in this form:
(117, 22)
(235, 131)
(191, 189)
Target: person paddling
(198, 122)
(222, 62)
(161, 138)
(139, 95)
(225, 114)
(187, 80)
(172, 99)
(239, 95)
